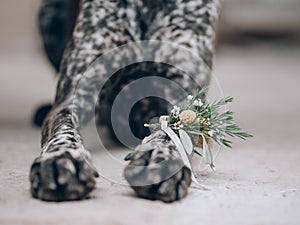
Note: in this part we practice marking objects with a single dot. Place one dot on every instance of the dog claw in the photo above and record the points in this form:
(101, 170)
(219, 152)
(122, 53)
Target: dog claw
(156, 171)
(61, 178)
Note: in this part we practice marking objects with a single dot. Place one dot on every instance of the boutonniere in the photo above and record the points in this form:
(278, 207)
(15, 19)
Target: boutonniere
(197, 125)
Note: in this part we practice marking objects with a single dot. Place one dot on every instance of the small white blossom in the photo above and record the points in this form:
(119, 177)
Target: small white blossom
(177, 125)
(198, 102)
(190, 97)
(175, 111)
(210, 133)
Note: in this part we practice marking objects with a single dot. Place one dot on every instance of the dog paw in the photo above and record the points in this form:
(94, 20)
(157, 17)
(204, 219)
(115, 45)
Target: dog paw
(60, 177)
(157, 177)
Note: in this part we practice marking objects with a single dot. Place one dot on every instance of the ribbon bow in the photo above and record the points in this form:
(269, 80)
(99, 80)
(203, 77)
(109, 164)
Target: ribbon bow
(163, 120)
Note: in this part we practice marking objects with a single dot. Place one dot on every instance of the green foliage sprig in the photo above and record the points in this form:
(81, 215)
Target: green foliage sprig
(199, 123)
(207, 119)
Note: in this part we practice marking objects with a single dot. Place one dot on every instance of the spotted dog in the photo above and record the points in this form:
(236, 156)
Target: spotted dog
(75, 35)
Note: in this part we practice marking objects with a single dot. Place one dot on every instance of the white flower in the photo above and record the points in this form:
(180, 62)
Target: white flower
(177, 108)
(210, 133)
(177, 125)
(175, 111)
(190, 97)
(198, 102)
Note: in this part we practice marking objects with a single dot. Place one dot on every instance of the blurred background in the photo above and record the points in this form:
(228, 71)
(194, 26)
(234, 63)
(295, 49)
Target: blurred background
(258, 39)
(27, 78)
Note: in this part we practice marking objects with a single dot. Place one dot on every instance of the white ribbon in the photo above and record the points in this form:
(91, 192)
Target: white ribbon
(164, 126)
(207, 154)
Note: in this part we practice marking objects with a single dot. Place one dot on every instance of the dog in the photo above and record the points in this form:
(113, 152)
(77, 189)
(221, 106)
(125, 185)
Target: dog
(75, 35)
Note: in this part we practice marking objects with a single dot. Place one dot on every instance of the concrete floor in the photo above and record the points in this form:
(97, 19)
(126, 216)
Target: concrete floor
(256, 183)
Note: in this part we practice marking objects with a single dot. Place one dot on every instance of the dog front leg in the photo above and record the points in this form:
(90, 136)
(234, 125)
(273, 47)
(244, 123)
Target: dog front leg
(64, 171)
(156, 170)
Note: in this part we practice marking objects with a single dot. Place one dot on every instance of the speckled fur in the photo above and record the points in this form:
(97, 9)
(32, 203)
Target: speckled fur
(63, 171)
